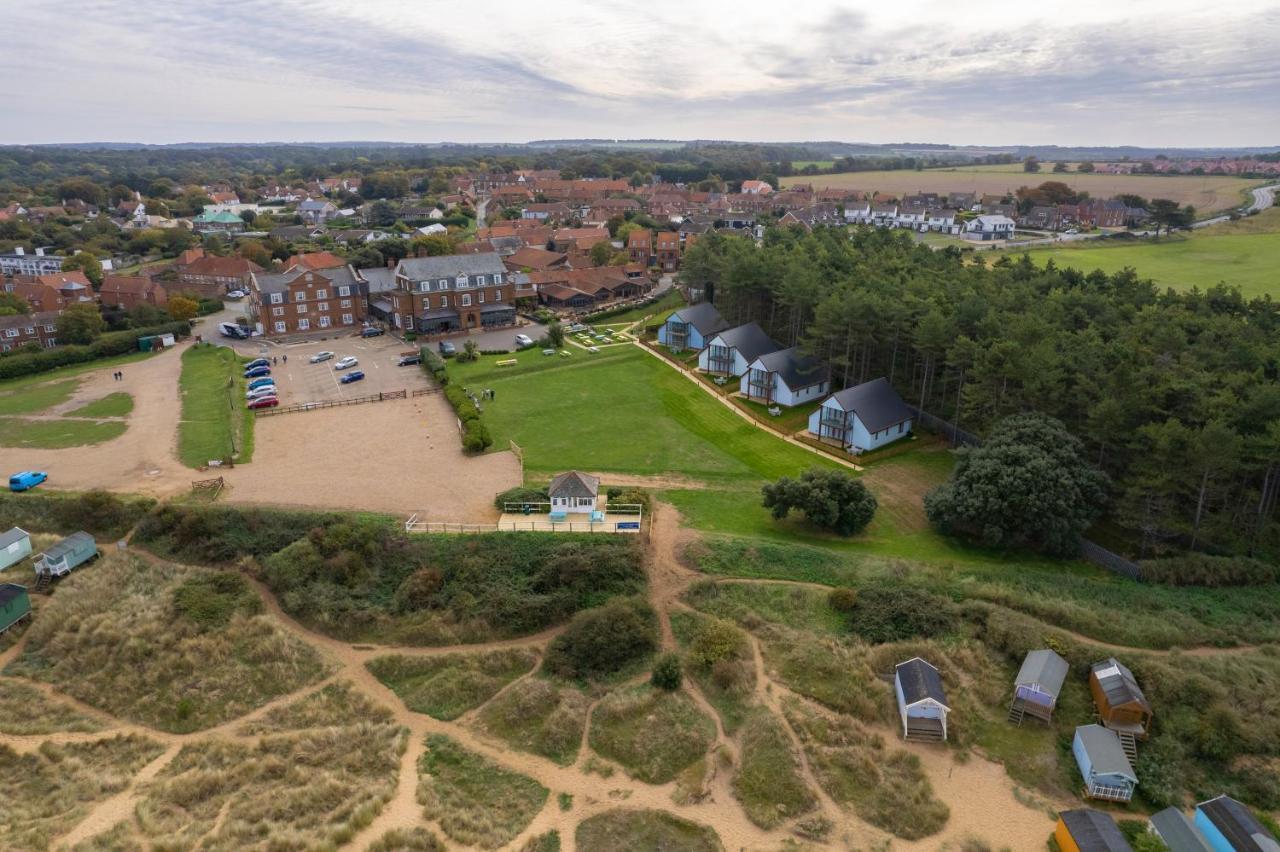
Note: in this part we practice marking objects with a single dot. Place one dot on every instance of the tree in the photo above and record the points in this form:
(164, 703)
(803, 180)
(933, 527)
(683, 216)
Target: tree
(382, 214)
(601, 252)
(82, 188)
(666, 673)
(10, 305)
(555, 335)
(831, 499)
(604, 640)
(1166, 212)
(1031, 164)
(1027, 486)
(80, 324)
(182, 308)
(249, 216)
(1085, 168)
(255, 252)
(1059, 167)
(88, 263)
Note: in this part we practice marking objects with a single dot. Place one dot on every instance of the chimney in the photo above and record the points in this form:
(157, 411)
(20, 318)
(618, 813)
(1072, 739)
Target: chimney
(19, 251)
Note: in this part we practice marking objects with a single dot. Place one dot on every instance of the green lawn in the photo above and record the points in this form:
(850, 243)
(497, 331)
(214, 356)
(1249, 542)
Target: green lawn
(11, 386)
(1245, 254)
(670, 301)
(57, 434)
(118, 404)
(623, 411)
(34, 397)
(214, 420)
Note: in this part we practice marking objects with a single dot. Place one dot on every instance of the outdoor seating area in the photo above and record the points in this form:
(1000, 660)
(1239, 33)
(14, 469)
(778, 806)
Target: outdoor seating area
(597, 521)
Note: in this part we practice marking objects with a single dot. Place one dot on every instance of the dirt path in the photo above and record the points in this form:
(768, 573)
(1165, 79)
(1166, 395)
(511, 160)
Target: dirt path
(627, 480)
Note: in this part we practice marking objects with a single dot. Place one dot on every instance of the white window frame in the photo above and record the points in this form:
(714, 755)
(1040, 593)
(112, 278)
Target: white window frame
(344, 291)
(347, 319)
(444, 301)
(300, 296)
(346, 303)
(277, 298)
(304, 325)
(322, 294)
(324, 322)
(480, 297)
(466, 300)
(322, 307)
(302, 309)
(277, 312)
(280, 328)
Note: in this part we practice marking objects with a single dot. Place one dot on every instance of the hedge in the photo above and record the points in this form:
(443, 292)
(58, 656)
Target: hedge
(101, 513)
(520, 494)
(1199, 569)
(434, 365)
(106, 346)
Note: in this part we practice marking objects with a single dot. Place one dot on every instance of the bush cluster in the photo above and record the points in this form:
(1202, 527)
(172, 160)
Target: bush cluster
(106, 346)
(101, 513)
(221, 534)
(1200, 569)
(475, 435)
(210, 600)
(433, 365)
(603, 641)
(666, 673)
(883, 614)
(520, 494)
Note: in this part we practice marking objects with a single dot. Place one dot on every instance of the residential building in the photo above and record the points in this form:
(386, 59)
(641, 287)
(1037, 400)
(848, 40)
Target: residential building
(316, 212)
(666, 247)
(315, 260)
(435, 295)
(556, 211)
(1087, 830)
(1103, 764)
(989, 227)
(941, 220)
(756, 187)
(1228, 826)
(20, 262)
(730, 352)
(574, 492)
(786, 377)
(73, 287)
(212, 276)
(863, 417)
(129, 291)
(19, 330)
(691, 327)
(535, 259)
(640, 246)
(309, 301)
(41, 297)
(218, 222)
(922, 702)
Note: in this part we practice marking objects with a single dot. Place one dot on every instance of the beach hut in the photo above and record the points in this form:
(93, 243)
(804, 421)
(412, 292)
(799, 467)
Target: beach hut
(1086, 830)
(1120, 703)
(1177, 832)
(14, 605)
(15, 546)
(922, 703)
(1036, 689)
(1104, 766)
(1228, 826)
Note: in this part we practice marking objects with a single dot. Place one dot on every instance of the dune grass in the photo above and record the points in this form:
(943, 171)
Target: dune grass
(133, 637)
(25, 710)
(476, 802)
(728, 683)
(407, 840)
(338, 704)
(800, 607)
(540, 715)
(118, 404)
(644, 831)
(651, 733)
(768, 782)
(215, 423)
(447, 686)
(547, 842)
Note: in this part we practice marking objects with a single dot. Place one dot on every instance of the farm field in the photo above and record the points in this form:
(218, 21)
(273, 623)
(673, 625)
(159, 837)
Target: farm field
(1244, 254)
(1207, 193)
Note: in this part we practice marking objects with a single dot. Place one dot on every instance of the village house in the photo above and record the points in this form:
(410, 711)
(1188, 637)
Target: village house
(989, 227)
(21, 329)
(863, 417)
(786, 377)
(666, 247)
(941, 220)
(922, 702)
(730, 352)
(218, 222)
(1103, 764)
(308, 301)
(437, 295)
(640, 246)
(316, 212)
(551, 213)
(41, 297)
(574, 492)
(691, 327)
(38, 262)
(756, 187)
(1228, 826)
(73, 287)
(212, 276)
(1087, 830)
(529, 258)
(314, 260)
(129, 291)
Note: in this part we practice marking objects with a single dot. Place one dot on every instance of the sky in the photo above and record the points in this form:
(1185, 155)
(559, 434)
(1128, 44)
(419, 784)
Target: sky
(1086, 72)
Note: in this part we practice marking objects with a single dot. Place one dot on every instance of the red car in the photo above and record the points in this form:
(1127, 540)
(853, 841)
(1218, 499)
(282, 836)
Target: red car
(265, 402)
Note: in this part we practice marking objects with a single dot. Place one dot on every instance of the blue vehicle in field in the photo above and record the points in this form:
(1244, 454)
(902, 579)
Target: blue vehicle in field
(262, 382)
(257, 362)
(27, 480)
(353, 376)
(257, 372)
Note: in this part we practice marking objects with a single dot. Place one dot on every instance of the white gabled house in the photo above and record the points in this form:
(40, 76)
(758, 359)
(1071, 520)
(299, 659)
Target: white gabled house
(730, 352)
(863, 417)
(941, 219)
(691, 327)
(785, 377)
(857, 212)
(990, 227)
(574, 492)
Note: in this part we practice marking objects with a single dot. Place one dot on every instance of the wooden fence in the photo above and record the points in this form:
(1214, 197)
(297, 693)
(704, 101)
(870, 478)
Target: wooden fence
(215, 485)
(427, 392)
(332, 403)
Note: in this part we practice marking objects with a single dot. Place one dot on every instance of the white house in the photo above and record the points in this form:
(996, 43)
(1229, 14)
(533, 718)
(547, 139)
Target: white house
(574, 492)
(990, 227)
(884, 215)
(756, 187)
(857, 211)
(316, 212)
(863, 417)
(785, 377)
(731, 351)
(922, 703)
(941, 219)
(911, 217)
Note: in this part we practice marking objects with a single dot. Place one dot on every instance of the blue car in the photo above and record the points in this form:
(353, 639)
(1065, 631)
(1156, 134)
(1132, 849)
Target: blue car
(263, 382)
(259, 362)
(26, 480)
(353, 376)
(255, 372)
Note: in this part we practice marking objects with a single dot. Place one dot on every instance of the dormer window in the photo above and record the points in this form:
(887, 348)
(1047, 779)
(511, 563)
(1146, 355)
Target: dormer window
(462, 281)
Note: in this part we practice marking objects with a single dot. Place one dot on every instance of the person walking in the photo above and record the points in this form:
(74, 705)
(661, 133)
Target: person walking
(286, 359)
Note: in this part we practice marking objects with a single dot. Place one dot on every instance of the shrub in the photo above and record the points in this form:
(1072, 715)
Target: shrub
(666, 673)
(892, 613)
(219, 534)
(842, 600)
(101, 513)
(476, 437)
(462, 404)
(433, 364)
(210, 600)
(717, 641)
(831, 499)
(602, 641)
(1200, 569)
(418, 590)
(520, 494)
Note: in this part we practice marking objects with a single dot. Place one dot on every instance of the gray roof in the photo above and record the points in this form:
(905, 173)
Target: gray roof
(1238, 825)
(380, 278)
(1106, 755)
(70, 544)
(1044, 668)
(750, 341)
(314, 205)
(13, 536)
(876, 403)
(451, 266)
(1094, 832)
(574, 484)
(439, 313)
(1178, 832)
(278, 283)
(10, 592)
(919, 681)
(795, 368)
(704, 317)
(1118, 684)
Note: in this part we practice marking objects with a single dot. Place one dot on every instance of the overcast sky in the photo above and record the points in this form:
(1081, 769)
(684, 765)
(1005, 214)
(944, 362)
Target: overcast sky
(1106, 72)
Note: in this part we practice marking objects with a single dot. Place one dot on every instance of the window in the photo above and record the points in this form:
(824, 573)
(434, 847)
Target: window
(49, 329)
(344, 291)
(497, 295)
(322, 307)
(10, 332)
(462, 281)
(31, 329)
(277, 312)
(479, 280)
(901, 426)
(466, 300)
(424, 286)
(304, 324)
(481, 297)
(300, 296)
(302, 309)
(346, 303)
(280, 328)
(324, 322)
(444, 301)
(497, 278)
(442, 284)
(277, 298)
(322, 294)
(347, 319)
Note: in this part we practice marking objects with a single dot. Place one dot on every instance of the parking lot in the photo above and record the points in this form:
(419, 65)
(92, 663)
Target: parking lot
(299, 381)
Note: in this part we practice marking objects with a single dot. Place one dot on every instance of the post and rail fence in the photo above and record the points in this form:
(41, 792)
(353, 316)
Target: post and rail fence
(333, 403)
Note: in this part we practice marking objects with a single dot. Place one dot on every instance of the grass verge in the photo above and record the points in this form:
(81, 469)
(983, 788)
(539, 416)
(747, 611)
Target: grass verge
(118, 404)
(539, 715)
(215, 423)
(644, 831)
(651, 733)
(768, 783)
(446, 687)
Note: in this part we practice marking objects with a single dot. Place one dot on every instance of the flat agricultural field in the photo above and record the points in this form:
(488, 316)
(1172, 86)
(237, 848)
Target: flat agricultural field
(1245, 254)
(1208, 193)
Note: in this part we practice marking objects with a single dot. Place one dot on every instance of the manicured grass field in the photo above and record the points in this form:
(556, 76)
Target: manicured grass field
(1245, 254)
(33, 397)
(214, 420)
(1207, 193)
(57, 434)
(670, 301)
(117, 404)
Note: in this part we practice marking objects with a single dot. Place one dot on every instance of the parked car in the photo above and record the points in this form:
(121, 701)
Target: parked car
(257, 362)
(265, 381)
(372, 331)
(236, 294)
(27, 480)
(353, 376)
(447, 349)
(344, 363)
(259, 393)
(408, 359)
(257, 372)
(523, 340)
(321, 356)
(265, 402)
